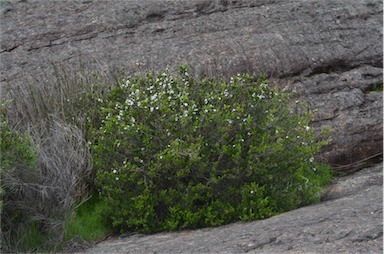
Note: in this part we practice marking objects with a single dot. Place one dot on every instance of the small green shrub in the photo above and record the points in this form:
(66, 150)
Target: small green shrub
(18, 168)
(173, 153)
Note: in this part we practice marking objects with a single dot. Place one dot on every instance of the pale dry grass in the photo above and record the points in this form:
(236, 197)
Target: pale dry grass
(51, 111)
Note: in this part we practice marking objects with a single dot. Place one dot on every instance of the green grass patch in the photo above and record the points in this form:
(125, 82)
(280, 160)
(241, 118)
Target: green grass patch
(87, 223)
(30, 239)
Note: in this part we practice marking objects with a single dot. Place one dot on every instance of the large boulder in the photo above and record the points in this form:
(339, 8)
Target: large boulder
(330, 51)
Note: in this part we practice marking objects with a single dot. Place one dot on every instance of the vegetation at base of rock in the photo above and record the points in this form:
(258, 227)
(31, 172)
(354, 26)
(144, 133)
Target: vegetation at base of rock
(199, 138)
(18, 168)
(43, 173)
(40, 118)
(174, 152)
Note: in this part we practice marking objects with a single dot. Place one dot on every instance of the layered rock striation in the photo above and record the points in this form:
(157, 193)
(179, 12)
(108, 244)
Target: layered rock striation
(330, 51)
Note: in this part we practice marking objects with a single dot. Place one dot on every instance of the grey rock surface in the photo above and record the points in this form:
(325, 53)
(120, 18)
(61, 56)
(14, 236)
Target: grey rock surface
(348, 220)
(330, 51)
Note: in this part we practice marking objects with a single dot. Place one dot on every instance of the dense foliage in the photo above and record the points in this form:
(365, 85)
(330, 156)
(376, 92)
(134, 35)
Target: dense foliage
(175, 152)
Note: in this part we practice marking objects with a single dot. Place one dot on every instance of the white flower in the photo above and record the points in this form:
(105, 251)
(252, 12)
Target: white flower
(114, 171)
(260, 96)
(153, 97)
(311, 159)
(314, 169)
(117, 179)
(307, 128)
(252, 192)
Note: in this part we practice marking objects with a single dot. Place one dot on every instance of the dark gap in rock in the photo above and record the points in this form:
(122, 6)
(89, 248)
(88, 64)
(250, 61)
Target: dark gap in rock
(332, 67)
(155, 16)
(374, 87)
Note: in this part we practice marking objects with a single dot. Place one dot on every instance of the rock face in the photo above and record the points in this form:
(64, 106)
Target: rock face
(330, 51)
(349, 220)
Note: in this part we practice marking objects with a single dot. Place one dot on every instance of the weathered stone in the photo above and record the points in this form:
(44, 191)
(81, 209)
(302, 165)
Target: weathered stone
(349, 220)
(331, 49)
(350, 109)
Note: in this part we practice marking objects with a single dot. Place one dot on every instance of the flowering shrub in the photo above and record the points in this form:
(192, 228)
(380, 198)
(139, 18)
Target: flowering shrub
(174, 153)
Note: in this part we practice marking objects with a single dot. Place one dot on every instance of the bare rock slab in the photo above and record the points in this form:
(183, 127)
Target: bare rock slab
(349, 220)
